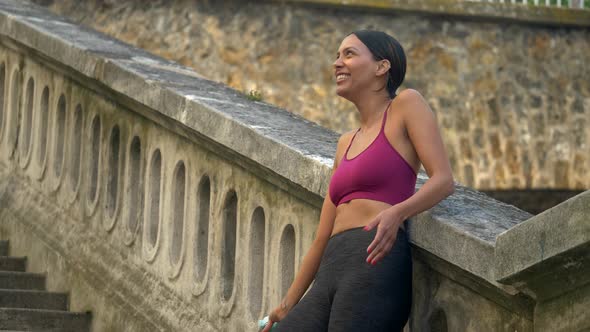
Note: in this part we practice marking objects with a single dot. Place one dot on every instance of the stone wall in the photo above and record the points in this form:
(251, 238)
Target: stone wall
(512, 98)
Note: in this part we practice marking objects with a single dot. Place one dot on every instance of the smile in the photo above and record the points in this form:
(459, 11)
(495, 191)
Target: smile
(341, 77)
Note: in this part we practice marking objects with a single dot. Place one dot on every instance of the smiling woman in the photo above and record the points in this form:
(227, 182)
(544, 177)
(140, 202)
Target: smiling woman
(360, 258)
(358, 44)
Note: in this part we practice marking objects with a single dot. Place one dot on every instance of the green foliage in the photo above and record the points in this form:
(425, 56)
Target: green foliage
(254, 95)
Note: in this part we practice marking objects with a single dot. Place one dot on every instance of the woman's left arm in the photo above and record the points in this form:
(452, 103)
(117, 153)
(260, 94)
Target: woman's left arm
(425, 136)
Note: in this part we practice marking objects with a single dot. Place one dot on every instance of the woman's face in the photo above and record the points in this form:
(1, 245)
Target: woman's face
(354, 67)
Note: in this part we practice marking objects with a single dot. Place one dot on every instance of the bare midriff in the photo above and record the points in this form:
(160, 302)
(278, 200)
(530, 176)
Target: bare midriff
(357, 213)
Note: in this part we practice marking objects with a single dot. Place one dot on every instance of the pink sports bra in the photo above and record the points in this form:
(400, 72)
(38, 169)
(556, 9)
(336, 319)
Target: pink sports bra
(378, 173)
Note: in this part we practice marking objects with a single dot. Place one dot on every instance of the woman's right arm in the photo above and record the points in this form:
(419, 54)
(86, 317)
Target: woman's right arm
(311, 261)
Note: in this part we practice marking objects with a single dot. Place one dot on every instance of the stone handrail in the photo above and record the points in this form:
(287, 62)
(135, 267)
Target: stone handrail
(176, 198)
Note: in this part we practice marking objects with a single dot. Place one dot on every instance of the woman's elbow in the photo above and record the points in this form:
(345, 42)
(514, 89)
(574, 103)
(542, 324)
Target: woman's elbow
(451, 189)
(449, 185)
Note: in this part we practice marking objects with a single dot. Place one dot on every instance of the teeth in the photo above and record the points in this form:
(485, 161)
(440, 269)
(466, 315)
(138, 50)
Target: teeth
(341, 76)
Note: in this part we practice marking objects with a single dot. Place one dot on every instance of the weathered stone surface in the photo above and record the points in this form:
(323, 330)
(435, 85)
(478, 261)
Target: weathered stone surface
(564, 313)
(444, 300)
(480, 74)
(551, 234)
(471, 246)
(250, 154)
(548, 258)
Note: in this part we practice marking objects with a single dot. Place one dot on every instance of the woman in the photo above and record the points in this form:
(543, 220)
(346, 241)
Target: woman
(361, 252)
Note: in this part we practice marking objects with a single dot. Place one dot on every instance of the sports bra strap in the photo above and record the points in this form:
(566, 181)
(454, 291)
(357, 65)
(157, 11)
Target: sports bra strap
(350, 143)
(382, 126)
(385, 115)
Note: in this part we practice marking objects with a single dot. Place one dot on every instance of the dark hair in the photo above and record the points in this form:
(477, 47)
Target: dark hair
(385, 47)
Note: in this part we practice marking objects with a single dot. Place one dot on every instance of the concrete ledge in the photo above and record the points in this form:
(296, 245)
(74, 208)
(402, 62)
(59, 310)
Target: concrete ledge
(465, 230)
(462, 229)
(511, 299)
(466, 9)
(547, 251)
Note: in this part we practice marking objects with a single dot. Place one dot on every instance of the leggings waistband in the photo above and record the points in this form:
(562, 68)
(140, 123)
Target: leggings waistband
(402, 228)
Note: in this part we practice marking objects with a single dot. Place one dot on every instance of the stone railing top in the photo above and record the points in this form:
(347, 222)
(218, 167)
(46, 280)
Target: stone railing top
(462, 229)
(517, 12)
(550, 234)
(548, 255)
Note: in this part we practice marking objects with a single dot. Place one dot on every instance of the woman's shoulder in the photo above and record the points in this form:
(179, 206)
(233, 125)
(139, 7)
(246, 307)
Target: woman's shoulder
(410, 96)
(343, 141)
(345, 137)
(411, 103)
(412, 110)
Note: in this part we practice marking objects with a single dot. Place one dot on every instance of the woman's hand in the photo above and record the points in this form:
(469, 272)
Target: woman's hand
(276, 315)
(388, 222)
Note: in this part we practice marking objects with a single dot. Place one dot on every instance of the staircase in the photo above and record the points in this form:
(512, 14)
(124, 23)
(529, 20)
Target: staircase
(25, 305)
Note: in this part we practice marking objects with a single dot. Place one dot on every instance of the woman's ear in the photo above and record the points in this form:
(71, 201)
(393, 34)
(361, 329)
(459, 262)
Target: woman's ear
(383, 67)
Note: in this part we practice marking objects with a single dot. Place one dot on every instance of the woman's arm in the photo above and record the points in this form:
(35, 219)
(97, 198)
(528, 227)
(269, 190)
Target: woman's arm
(311, 261)
(425, 136)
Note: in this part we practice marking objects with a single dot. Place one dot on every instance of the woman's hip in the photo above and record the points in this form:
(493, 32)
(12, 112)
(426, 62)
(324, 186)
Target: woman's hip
(346, 254)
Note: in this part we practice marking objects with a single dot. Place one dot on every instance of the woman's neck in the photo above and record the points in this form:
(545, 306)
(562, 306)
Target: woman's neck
(371, 109)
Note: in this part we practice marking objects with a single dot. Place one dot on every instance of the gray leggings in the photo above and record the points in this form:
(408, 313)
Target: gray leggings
(349, 294)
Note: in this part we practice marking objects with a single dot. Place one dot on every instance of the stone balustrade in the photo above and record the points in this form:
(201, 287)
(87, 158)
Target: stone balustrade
(219, 232)
(163, 201)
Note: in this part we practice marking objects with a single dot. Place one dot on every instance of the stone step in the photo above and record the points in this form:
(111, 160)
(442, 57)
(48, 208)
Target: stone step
(45, 320)
(33, 299)
(3, 248)
(21, 280)
(8, 263)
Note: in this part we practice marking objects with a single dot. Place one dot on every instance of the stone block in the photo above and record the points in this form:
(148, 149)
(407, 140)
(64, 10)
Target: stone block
(547, 255)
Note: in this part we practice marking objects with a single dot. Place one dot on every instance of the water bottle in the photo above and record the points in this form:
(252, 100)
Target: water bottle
(262, 323)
